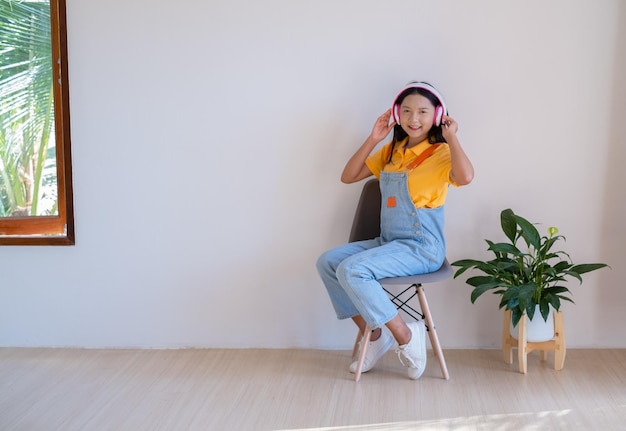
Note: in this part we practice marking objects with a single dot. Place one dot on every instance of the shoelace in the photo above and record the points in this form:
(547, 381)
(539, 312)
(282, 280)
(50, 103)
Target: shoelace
(402, 355)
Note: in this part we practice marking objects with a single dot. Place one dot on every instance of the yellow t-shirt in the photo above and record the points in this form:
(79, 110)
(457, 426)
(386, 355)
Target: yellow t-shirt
(428, 183)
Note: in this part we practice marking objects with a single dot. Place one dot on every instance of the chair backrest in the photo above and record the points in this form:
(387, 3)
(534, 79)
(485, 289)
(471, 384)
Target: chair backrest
(366, 223)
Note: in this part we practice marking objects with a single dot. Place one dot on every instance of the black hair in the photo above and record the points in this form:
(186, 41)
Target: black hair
(435, 135)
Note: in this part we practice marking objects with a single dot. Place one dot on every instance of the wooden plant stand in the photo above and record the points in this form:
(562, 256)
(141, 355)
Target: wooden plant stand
(556, 345)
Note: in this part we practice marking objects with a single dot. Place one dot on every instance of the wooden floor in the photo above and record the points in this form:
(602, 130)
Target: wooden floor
(65, 389)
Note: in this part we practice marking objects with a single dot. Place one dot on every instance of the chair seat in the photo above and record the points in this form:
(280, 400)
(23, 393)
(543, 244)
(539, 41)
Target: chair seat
(432, 277)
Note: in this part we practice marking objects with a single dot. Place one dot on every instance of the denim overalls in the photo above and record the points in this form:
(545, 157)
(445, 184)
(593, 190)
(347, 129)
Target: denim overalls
(411, 242)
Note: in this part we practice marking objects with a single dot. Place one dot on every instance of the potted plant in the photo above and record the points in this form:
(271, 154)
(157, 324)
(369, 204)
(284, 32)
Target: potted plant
(528, 278)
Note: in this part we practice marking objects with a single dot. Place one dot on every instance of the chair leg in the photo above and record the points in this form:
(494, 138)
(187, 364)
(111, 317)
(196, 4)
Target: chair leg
(355, 349)
(432, 333)
(365, 339)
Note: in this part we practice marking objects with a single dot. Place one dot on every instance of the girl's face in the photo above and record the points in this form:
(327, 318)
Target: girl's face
(417, 116)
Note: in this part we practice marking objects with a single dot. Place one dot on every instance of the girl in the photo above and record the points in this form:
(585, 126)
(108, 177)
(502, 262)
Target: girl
(411, 240)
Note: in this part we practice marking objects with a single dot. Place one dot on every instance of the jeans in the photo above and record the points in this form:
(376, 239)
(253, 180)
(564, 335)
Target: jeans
(411, 243)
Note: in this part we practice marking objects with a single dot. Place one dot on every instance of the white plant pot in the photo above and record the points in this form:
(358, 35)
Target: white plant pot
(537, 329)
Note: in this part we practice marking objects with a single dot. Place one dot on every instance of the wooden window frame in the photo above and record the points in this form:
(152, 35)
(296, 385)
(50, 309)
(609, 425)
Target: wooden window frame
(52, 230)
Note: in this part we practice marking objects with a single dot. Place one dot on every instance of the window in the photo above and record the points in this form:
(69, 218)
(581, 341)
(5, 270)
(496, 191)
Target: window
(36, 206)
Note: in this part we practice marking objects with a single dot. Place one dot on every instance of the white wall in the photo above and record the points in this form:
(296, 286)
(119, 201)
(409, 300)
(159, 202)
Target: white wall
(208, 139)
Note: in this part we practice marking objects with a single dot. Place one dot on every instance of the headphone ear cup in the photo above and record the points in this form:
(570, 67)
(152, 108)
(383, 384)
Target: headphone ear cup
(438, 115)
(396, 113)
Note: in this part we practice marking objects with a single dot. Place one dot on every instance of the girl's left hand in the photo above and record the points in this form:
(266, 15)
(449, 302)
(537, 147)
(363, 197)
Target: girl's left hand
(449, 127)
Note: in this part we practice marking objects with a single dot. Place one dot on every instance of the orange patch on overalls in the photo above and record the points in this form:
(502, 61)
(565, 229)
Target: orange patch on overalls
(391, 202)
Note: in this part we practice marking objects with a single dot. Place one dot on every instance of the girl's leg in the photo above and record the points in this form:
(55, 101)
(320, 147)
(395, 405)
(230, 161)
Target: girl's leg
(379, 343)
(399, 330)
(360, 322)
(397, 326)
(350, 274)
(357, 275)
(327, 265)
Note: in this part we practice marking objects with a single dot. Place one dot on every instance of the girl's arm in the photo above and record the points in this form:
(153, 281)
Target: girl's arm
(462, 171)
(356, 169)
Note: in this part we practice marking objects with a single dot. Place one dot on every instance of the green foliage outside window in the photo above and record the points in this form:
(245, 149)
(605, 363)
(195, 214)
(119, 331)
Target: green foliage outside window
(28, 177)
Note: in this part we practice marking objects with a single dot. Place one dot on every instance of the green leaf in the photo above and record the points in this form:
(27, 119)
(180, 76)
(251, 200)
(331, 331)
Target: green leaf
(512, 304)
(556, 289)
(509, 226)
(502, 247)
(587, 267)
(466, 262)
(529, 232)
(482, 285)
(574, 274)
(480, 280)
(516, 315)
(525, 295)
(479, 290)
(554, 300)
(547, 245)
(562, 266)
(544, 307)
(464, 265)
(512, 292)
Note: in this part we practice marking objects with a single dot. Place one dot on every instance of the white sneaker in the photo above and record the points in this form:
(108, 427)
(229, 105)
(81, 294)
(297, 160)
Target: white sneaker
(413, 354)
(375, 351)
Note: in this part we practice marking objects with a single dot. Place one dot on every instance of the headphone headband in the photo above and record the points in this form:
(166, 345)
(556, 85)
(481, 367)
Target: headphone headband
(439, 111)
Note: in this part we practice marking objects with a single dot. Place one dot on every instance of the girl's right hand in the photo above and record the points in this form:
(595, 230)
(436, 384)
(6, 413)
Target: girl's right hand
(356, 169)
(382, 127)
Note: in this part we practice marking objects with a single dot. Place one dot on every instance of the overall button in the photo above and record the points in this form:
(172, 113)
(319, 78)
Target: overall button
(413, 214)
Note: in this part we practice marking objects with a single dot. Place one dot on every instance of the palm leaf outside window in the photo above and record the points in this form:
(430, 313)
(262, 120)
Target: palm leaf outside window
(27, 157)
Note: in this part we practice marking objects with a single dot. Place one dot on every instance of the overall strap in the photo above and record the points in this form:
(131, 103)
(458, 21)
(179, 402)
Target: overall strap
(423, 156)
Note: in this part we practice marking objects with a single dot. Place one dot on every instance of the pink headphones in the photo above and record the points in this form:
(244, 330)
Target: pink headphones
(440, 110)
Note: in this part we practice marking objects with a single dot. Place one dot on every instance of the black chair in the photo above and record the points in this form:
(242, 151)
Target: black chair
(366, 225)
